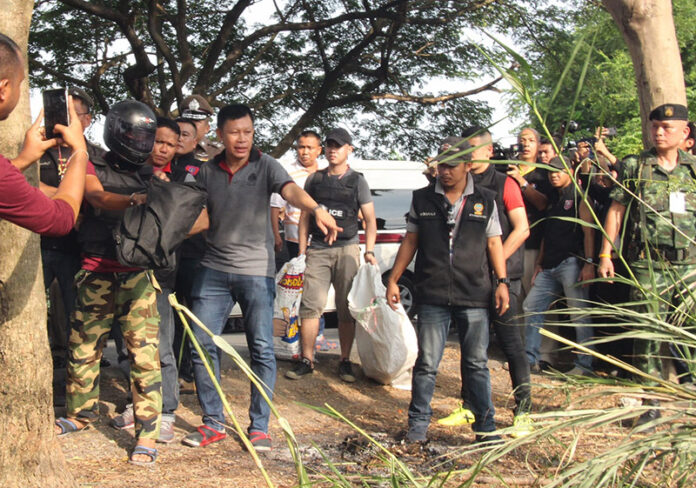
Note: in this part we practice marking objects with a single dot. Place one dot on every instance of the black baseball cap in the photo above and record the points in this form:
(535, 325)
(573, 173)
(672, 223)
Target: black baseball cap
(77, 92)
(451, 147)
(557, 163)
(669, 111)
(340, 136)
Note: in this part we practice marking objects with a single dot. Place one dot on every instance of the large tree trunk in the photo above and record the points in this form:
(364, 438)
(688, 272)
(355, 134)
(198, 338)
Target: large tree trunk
(30, 455)
(647, 27)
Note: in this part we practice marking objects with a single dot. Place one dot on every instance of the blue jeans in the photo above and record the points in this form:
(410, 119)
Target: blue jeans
(170, 378)
(214, 294)
(433, 326)
(550, 285)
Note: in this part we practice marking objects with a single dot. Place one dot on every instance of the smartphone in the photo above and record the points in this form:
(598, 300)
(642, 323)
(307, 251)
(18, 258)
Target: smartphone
(55, 104)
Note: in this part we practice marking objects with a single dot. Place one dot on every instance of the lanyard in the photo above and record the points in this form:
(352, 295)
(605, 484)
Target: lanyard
(451, 231)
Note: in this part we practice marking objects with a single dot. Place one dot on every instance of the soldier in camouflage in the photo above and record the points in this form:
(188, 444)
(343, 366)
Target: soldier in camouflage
(659, 193)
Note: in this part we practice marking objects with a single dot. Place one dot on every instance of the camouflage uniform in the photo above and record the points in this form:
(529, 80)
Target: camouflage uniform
(662, 259)
(130, 300)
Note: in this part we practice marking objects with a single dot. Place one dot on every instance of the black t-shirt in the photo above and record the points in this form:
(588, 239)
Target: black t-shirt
(539, 180)
(562, 238)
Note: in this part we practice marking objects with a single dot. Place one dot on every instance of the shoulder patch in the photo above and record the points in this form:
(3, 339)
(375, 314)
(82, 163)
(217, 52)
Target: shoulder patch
(192, 169)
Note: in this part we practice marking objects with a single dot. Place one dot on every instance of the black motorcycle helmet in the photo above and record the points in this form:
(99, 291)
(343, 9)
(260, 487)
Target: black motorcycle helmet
(129, 131)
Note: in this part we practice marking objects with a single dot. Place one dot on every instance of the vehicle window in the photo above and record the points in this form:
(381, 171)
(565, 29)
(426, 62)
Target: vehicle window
(391, 207)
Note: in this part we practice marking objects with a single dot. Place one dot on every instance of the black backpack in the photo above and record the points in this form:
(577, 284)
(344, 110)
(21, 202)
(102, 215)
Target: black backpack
(149, 234)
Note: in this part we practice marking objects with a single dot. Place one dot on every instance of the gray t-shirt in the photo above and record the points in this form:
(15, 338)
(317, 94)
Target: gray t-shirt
(364, 196)
(240, 239)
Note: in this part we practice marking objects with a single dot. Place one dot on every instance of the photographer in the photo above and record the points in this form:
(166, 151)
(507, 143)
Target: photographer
(536, 189)
(21, 203)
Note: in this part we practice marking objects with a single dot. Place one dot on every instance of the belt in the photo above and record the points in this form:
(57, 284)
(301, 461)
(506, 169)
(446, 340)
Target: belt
(669, 254)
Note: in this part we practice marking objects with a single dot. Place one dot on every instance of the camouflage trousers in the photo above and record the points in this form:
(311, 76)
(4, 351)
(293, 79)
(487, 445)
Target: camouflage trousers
(129, 300)
(669, 296)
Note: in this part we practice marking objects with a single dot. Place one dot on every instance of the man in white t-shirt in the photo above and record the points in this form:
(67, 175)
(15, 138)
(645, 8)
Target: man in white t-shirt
(308, 150)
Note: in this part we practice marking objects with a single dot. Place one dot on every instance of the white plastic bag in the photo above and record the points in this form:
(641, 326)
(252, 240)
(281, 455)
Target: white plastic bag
(289, 283)
(386, 339)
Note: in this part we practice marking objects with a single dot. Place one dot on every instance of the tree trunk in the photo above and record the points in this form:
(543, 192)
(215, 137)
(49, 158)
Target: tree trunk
(30, 455)
(647, 27)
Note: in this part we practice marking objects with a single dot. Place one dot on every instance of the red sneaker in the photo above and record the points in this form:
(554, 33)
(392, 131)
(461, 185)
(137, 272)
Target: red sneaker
(203, 436)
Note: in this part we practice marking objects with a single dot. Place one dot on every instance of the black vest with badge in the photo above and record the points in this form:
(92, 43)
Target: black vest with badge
(466, 280)
(495, 181)
(96, 232)
(340, 198)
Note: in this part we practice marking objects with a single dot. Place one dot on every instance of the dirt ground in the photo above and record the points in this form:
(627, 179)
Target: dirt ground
(98, 457)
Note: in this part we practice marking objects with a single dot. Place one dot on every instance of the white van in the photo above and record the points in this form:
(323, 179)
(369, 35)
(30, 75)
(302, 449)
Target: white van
(391, 184)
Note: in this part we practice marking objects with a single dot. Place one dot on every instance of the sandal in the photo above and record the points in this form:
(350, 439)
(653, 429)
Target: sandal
(67, 426)
(150, 452)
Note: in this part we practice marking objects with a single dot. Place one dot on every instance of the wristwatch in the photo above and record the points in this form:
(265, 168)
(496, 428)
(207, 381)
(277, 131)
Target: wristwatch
(370, 252)
(502, 281)
(589, 260)
(524, 185)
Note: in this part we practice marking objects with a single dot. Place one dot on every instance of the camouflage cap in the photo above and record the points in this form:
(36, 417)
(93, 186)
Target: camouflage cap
(450, 148)
(196, 107)
(669, 111)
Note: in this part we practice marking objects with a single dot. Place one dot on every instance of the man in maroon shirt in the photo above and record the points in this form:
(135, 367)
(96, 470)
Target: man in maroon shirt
(21, 203)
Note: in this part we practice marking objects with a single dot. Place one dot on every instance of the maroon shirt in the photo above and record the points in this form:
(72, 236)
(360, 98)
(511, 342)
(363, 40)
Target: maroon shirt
(26, 206)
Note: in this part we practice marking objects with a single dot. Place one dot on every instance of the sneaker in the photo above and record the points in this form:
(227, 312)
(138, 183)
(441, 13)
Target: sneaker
(647, 417)
(577, 371)
(166, 432)
(261, 441)
(460, 416)
(203, 436)
(489, 439)
(302, 368)
(522, 425)
(124, 421)
(345, 371)
(414, 435)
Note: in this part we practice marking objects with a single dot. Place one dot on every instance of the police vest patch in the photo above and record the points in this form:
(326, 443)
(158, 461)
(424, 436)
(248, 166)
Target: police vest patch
(567, 205)
(191, 169)
(478, 209)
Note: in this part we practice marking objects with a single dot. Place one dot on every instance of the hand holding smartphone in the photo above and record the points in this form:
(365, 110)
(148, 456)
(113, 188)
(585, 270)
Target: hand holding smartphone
(55, 104)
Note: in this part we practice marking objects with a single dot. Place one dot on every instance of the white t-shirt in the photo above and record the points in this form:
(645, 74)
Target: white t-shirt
(291, 223)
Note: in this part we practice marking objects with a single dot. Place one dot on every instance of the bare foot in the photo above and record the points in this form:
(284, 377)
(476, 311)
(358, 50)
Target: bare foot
(143, 458)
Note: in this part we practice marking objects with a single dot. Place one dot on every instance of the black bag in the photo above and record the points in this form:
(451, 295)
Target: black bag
(149, 234)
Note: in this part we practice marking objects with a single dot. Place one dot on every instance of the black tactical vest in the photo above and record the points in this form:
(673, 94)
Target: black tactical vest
(466, 281)
(495, 182)
(95, 234)
(340, 198)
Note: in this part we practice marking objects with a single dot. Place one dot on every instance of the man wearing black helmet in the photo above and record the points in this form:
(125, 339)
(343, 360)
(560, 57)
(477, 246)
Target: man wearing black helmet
(108, 291)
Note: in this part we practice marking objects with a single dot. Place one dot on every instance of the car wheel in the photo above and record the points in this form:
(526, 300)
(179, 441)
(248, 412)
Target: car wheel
(408, 295)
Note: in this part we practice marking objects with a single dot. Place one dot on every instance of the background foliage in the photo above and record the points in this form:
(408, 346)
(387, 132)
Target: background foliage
(608, 96)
